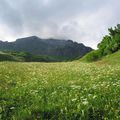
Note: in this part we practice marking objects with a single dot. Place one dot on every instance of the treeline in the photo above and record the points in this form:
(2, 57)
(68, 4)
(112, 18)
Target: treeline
(24, 57)
(109, 44)
(28, 57)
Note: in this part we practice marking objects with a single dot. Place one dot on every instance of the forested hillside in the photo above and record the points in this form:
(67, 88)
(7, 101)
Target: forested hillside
(109, 44)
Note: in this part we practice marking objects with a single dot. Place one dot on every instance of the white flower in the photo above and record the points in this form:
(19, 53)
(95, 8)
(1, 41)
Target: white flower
(94, 96)
(12, 108)
(85, 102)
(74, 99)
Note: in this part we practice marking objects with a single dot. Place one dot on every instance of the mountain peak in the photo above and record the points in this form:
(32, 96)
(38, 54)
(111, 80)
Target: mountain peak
(28, 38)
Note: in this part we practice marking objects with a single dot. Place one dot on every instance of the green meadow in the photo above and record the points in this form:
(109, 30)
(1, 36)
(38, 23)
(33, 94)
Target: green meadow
(61, 91)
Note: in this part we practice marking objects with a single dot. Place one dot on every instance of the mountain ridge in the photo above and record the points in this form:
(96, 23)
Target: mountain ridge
(67, 49)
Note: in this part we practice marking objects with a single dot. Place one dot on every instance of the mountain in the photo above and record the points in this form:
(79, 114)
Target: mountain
(61, 49)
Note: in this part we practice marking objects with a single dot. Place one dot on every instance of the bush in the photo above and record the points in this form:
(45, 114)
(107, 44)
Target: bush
(93, 56)
(111, 42)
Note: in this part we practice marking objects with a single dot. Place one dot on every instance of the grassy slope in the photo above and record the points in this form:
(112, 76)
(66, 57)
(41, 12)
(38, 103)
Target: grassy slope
(113, 58)
(71, 90)
(7, 57)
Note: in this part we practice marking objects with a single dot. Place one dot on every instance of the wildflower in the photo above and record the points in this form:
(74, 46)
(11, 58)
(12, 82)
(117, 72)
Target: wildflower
(74, 99)
(12, 108)
(85, 102)
(94, 96)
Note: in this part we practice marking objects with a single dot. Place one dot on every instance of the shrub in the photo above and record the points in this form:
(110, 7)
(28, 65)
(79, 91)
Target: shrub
(93, 56)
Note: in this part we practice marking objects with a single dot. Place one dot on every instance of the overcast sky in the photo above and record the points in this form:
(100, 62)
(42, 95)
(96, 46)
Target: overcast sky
(83, 21)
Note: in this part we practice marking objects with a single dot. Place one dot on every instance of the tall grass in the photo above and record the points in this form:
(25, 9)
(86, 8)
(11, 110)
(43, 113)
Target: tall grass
(59, 91)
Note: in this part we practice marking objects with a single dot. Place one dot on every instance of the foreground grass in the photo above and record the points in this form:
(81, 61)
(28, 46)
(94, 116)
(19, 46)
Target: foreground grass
(63, 91)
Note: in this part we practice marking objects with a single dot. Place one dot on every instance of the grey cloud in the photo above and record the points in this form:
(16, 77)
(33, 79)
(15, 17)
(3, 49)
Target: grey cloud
(81, 20)
(10, 17)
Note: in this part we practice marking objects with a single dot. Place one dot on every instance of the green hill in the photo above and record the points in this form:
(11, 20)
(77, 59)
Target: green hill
(9, 57)
(112, 58)
(109, 45)
(27, 57)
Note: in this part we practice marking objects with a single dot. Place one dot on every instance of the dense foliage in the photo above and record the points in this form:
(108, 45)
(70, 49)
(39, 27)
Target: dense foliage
(110, 44)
